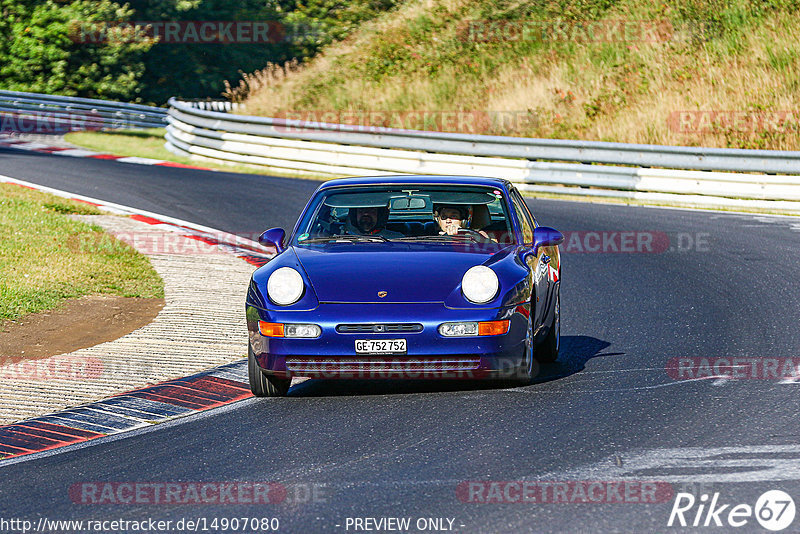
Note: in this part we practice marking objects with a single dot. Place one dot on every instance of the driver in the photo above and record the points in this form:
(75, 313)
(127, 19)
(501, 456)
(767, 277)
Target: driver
(454, 217)
(371, 221)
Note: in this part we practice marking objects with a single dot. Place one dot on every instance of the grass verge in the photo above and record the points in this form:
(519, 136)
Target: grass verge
(148, 143)
(42, 262)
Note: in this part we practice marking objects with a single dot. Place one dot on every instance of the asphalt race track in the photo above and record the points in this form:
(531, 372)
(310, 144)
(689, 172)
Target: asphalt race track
(613, 410)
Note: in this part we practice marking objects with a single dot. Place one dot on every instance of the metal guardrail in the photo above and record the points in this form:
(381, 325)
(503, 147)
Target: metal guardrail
(673, 157)
(335, 150)
(23, 112)
(214, 105)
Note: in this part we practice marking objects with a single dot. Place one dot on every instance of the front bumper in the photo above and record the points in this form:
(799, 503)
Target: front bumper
(429, 354)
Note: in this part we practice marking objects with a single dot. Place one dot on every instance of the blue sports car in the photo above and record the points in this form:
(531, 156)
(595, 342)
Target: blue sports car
(406, 277)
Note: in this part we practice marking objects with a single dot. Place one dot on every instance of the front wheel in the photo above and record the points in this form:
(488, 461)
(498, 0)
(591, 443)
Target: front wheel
(530, 365)
(263, 385)
(547, 351)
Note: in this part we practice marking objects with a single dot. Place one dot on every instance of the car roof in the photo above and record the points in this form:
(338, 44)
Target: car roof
(417, 179)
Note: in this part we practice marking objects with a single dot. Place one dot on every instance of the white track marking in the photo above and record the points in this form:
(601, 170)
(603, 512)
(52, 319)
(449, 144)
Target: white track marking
(755, 463)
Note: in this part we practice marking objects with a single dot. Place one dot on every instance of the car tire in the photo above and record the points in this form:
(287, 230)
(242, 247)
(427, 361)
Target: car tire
(261, 384)
(529, 368)
(547, 350)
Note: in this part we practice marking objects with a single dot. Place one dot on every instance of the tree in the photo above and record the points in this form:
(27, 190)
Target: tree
(54, 48)
(198, 70)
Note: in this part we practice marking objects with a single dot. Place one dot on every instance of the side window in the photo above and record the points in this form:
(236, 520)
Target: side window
(526, 208)
(524, 216)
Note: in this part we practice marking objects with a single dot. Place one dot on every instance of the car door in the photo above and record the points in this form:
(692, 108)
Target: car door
(537, 264)
(553, 257)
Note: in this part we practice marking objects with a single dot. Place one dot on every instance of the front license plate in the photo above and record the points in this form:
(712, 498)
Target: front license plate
(381, 346)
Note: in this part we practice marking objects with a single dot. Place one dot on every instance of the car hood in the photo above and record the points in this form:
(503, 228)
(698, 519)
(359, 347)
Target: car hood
(406, 272)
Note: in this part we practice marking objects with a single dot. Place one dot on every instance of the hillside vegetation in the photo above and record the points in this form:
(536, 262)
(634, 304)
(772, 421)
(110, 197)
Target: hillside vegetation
(115, 49)
(696, 72)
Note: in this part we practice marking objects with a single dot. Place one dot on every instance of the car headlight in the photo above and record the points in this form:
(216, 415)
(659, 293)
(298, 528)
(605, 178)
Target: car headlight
(479, 284)
(285, 286)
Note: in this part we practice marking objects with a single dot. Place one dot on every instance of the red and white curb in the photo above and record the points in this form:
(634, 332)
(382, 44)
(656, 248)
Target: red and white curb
(247, 249)
(139, 408)
(44, 148)
(148, 405)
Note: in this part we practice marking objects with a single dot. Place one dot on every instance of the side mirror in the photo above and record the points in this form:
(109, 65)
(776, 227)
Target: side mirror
(273, 237)
(544, 236)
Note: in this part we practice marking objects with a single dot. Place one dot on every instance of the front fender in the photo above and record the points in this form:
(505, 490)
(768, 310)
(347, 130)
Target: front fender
(257, 294)
(514, 277)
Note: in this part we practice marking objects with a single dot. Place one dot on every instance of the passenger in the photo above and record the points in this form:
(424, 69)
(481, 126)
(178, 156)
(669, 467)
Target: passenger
(454, 217)
(371, 221)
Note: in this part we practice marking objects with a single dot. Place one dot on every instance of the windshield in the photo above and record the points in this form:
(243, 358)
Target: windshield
(436, 214)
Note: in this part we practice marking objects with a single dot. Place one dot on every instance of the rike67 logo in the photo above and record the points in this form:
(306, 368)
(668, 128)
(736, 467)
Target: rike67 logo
(774, 510)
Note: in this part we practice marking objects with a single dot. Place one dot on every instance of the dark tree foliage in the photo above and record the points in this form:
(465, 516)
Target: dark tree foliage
(199, 70)
(80, 48)
(41, 50)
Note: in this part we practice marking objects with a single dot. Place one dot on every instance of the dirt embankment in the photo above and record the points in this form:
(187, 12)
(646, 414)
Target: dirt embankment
(77, 324)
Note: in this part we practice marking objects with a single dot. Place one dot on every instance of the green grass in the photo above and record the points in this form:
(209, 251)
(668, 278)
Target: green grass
(148, 143)
(712, 55)
(47, 258)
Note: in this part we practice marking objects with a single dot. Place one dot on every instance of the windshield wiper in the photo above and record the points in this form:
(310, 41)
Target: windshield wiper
(347, 238)
(443, 237)
(424, 238)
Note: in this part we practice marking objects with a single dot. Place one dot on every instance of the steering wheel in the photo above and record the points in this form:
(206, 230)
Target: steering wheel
(479, 237)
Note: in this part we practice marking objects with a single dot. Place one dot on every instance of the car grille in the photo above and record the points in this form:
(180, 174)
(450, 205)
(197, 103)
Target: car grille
(378, 328)
(405, 367)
